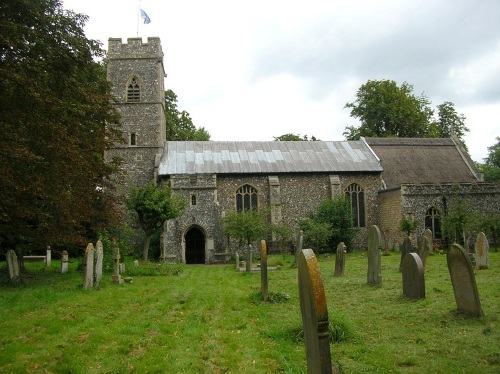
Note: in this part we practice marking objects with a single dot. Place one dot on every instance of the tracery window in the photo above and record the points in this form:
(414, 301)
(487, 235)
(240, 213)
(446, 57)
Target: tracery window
(356, 196)
(246, 198)
(433, 222)
(133, 91)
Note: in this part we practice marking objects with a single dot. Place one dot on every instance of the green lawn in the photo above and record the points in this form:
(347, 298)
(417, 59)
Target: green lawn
(210, 319)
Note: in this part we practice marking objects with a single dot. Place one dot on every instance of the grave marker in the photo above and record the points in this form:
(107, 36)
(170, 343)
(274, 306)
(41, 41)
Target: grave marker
(116, 278)
(314, 314)
(413, 277)
(99, 253)
(340, 260)
(88, 267)
(375, 244)
(407, 248)
(482, 249)
(12, 265)
(463, 281)
(237, 260)
(263, 270)
(299, 247)
(423, 249)
(428, 235)
(64, 261)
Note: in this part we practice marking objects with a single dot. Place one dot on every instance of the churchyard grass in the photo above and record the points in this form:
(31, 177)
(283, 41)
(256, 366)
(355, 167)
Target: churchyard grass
(210, 319)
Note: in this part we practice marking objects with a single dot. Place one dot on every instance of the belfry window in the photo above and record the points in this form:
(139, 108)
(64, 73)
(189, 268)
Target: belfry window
(356, 196)
(133, 139)
(133, 91)
(246, 198)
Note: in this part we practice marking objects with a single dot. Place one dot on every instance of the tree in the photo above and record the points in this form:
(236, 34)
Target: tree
(154, 205)
(294, 137)
(448, 122)
(491, 168)
(179, 124)
(248, 225)
(408, 225)
(385, 109)
(336, 215)
(57, 120)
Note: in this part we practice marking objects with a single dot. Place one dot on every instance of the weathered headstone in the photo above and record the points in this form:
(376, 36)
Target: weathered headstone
(482, 249)
(340, 260)
(12, 265)
(116, 278)
(375, 244)
(423, 249)
(99, 254)
(314, 314)
(88, 267)
(413, 277)
(237, 260)
(463, 281)
(298, 251)
(122, 268)
(136, 263)
(428, 235)
(406, 248)
(64, 261)
(48, 257)
(263, 270)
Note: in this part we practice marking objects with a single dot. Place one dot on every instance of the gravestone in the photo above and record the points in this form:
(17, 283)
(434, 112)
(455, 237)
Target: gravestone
(314, 314)
(12, 265)
(428, 235)
(237, 260)
(116, 278)
(482, 249)
(375, 244)
(340, 260)
(136, 263)
(263, 270)
(299, 247)
(413, 277)
(88, 267)
(99, 254)
(423, 249)
(48, 257)
(463, 280)
(407, 248)
(64, 262)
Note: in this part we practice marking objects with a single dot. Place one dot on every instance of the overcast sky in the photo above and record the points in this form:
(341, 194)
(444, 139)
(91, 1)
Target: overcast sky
(259, 69)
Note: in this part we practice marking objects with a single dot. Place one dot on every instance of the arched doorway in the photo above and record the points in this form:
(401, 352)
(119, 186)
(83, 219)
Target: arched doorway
(195, 246)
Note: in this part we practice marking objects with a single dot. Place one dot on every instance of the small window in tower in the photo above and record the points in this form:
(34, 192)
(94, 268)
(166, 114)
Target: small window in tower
(193, 200)
(133, 92)
(133, 139)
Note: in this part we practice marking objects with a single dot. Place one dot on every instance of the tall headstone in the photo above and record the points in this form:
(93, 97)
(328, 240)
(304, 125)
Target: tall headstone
(88, 267)
(48, 257)
(375, 245)
(407, 248)
(428, 235)
(263, 270)
(423, 249)
(116, 278)
(340, 260)
(482, 249)
(299, 247)
(413, 277)
(314, 314)
(64, 262)
(12, 265)
(99, 254)
(463, 280)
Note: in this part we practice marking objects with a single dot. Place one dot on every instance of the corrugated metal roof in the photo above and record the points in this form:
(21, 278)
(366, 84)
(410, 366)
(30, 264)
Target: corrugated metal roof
(214, 157)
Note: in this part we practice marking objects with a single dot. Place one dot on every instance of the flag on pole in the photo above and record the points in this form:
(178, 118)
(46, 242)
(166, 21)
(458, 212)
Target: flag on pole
(145, 17)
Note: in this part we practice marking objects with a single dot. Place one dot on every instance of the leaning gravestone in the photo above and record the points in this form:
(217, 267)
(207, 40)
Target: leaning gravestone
(314, 314)
(263, 270)
(340, 260)
(423, 249)
(413, 277)
(407, 248)
(463, 281)
(99, 254)
(88, 267)
(375, 245)
(12, 265)
(482, 249)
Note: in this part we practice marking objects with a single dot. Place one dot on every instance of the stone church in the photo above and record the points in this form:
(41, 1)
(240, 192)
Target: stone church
(385, 179)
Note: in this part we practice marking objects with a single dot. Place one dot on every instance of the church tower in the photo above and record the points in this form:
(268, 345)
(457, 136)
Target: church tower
(136, 72)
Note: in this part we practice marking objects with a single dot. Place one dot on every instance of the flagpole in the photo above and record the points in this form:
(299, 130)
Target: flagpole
(138, 15)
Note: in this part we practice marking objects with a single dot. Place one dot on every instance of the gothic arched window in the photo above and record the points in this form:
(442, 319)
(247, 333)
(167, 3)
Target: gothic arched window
(133, 91)
(433, 222)
(246, 198)
(356, 196)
